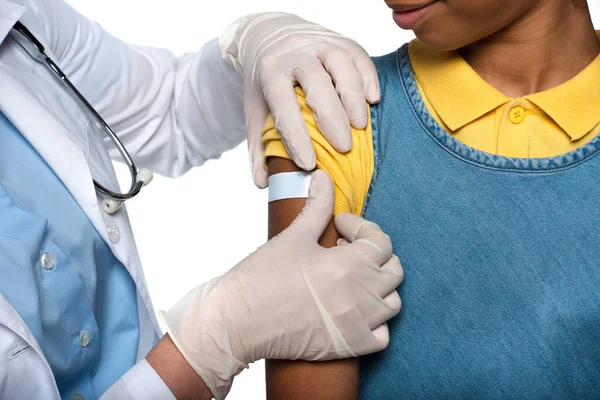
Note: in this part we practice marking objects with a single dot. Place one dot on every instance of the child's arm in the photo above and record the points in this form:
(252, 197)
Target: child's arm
(303, 380)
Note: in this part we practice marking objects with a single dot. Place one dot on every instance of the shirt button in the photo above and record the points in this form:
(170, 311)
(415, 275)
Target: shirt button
(77, 397)
(47, 261)
(84, 338)
(516, 115)
(113, 232)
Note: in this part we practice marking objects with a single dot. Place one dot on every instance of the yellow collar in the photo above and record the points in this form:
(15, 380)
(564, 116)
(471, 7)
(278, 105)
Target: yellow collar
(446, 78)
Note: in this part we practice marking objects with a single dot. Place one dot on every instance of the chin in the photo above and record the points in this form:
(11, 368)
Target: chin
(440, 40)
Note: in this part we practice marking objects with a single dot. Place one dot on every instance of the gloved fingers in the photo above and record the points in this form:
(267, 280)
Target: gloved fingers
(256, 113)
(365, 237)
(382, 339)
(259, 173)
(342, 242)
(390, 307)
(325, 103)
(391, 274)
(380, 282)
(367, 71)
(348, 83)
(281, 97)
(317, 212)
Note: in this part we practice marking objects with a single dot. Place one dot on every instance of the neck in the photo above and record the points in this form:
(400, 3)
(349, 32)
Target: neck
(543, 49)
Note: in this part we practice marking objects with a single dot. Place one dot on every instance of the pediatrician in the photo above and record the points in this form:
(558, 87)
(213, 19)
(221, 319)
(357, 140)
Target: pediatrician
(76, 321)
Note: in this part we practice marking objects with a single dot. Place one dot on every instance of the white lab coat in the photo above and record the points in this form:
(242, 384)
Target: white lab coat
(171, 114)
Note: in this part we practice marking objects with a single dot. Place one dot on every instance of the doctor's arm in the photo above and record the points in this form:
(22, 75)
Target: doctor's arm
(319, 303)
(163, 375)
(173, 113)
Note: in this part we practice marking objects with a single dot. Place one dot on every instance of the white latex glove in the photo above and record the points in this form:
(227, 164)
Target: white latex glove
(293, 299)
(274, 52)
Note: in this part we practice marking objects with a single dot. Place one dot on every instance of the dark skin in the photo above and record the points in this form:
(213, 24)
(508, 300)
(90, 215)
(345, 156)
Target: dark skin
(301, 380)
(503, 41)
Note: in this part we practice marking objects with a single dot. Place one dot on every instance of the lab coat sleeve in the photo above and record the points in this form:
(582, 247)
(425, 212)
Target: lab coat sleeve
(172, 113)
(140, 383)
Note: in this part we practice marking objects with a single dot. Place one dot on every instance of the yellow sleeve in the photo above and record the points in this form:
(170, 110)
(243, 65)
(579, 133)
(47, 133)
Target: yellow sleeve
(351, 172)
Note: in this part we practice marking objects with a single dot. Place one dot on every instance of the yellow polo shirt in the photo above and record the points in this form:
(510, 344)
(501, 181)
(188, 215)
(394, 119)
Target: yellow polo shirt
(543, 124)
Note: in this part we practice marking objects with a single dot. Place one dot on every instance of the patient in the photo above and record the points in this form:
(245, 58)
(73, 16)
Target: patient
(480, 162)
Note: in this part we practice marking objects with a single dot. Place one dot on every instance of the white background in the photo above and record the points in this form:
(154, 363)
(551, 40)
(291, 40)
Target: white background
(194, 228)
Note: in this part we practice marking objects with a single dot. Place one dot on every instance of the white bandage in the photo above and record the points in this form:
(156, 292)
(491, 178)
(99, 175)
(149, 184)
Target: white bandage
(289, 185)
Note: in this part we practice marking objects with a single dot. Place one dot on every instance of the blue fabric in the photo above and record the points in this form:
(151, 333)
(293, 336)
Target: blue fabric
(501, 297)
(88, 288)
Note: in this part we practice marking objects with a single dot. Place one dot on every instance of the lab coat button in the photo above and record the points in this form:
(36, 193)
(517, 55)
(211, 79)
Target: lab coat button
(84, 338)
(113, 232)
(47, 261)
(77, 397)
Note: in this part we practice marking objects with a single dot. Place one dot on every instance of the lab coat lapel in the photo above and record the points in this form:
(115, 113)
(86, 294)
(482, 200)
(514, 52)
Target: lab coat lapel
(55, 131)
(10, 318)
(75, 151)
(9, 14)
(51, 140)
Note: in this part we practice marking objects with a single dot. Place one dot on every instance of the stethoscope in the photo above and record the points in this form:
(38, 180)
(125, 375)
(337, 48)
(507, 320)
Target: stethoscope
(112, 200)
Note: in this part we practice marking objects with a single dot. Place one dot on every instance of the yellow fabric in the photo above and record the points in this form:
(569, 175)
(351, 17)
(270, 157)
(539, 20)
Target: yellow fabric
(351, 172)
(543, 124)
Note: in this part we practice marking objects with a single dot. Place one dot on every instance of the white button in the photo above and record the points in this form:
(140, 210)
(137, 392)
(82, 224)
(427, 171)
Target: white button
(47, 260)
(84, 338)
(113, 232)
(77, 397)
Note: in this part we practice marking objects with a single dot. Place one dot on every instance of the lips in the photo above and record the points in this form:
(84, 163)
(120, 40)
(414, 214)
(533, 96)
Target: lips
(402, 8)
(408, 16)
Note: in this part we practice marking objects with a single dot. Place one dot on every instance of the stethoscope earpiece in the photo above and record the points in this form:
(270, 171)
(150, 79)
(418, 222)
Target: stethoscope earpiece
(110, 206)
(145, 176)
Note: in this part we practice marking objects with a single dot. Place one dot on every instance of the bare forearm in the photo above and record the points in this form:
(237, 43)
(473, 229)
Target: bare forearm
(178, 375)
(300, 380)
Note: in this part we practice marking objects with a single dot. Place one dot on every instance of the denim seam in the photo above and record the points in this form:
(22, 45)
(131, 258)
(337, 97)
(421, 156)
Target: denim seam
(375, 115)
(469, 154)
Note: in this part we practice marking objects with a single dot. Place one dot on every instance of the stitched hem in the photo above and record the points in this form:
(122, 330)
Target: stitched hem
(376, 155)
(477, 157)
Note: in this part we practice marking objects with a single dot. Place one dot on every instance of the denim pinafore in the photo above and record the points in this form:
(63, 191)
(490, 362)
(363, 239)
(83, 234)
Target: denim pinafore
(501, 297)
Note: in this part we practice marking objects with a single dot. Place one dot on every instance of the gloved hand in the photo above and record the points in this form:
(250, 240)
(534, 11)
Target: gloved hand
(273, 52)
(293, 299)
